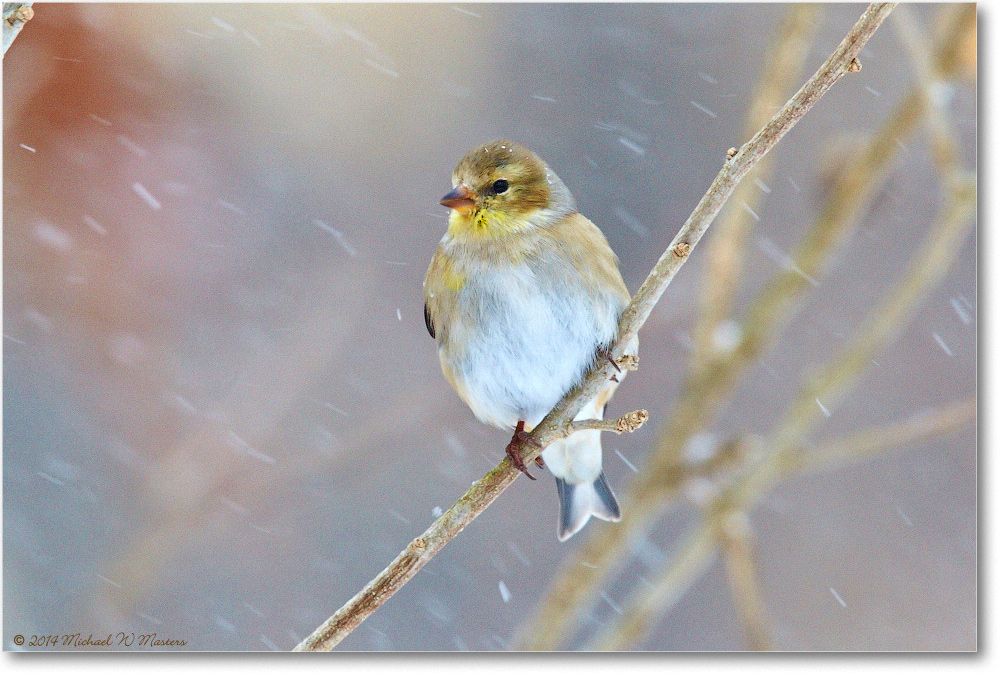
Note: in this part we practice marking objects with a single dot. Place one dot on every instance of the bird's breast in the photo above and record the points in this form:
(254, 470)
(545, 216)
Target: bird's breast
(522, 335)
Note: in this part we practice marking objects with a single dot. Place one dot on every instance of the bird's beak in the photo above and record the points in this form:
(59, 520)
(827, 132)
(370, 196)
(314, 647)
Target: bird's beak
(460, 199)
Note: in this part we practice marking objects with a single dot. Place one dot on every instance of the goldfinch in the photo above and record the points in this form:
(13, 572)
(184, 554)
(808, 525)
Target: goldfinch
(521, 295)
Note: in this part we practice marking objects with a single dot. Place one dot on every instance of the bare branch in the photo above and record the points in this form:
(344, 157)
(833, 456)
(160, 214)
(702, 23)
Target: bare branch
(864, 444)
(605, 549)
(629, 422)
(15, 14)
(484, 491)
(927, 268)
(736, 541)
(831, 383)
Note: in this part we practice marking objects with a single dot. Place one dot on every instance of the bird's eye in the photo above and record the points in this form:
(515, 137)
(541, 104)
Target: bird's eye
(500, 186)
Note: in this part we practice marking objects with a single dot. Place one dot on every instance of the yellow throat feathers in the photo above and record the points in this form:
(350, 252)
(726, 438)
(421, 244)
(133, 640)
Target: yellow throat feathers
(485, 223)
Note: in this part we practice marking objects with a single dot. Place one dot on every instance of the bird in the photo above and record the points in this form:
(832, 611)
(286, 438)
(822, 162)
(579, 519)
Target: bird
(522, 296)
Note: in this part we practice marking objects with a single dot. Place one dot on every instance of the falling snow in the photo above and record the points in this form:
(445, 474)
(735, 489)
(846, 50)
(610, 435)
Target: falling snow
(132, 146)
(54, 237)
(753, 213)
(631, 145)
(961, 311)
(467, 12)
(339, 237)
(90, 222)
(941, 344)
(631, 222)
(253, 40)
(223, 25)
(615, 608)
(51, 479)
(241, 445)
(196, 300)
(381, 68)
(107, 581)
(822, 408)
(150, 200)
(626, 462)
(783, 260)
(704, 109)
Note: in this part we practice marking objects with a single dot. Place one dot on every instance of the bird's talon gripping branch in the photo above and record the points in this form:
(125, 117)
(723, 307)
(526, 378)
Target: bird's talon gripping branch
(517, 442)
(606, 353)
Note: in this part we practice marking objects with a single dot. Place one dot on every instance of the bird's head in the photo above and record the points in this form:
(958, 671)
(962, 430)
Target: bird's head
(502, 188)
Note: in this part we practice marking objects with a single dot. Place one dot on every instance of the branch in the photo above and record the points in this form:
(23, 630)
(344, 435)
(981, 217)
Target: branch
(830, 384)
(736, 541)
(483, 492)
(630, 422)
(705, 387)
(645, 603)
(864, 444)
(15, 14)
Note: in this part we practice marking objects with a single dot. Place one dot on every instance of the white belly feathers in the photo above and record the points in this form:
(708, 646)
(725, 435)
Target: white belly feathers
(527, 345)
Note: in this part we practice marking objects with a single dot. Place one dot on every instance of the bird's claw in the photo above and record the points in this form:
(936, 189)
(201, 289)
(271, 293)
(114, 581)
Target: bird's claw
(606, 353)
(518, 441)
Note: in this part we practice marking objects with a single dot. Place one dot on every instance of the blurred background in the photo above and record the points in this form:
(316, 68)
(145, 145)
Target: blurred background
(222, 413)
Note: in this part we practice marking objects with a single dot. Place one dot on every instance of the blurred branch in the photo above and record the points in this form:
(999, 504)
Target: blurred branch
(736, 541)
(694, 556)
(830, 384)
(484, 491)
(936, 91)
(606, 549)
(727, 246)
(869, 442)
(15, 15)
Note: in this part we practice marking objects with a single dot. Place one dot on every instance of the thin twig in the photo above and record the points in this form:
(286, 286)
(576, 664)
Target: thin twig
(626, 423)
(483, 492)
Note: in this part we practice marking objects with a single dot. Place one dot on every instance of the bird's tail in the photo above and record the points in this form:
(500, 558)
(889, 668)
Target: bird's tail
(577, 503)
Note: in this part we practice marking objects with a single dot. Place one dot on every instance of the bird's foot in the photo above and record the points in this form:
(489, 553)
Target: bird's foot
(517, 442)
(606, 353)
